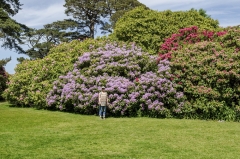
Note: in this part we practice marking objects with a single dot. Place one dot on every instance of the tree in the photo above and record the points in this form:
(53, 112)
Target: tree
(86, 14)
(10, 6)
(3, 76)
(202, 12)
(40, 41)
(116, 9)
(89, 13)
(3, 62)
(10, 30)
(21, 59)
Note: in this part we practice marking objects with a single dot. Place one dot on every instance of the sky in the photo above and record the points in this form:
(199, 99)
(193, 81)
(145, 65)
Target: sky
(35, 14)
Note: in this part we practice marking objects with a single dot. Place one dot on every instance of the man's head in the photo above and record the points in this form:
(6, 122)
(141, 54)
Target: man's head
(103, 88)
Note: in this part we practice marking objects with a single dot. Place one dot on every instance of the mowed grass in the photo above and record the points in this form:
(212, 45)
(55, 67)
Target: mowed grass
(40, 134)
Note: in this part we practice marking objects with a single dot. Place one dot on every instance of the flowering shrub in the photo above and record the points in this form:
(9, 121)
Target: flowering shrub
(135, 84)
(33, 79)
(149, 28)
(184, 37)
(206, 67)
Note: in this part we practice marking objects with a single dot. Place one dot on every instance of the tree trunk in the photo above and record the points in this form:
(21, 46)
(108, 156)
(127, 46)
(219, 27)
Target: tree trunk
(92, 30)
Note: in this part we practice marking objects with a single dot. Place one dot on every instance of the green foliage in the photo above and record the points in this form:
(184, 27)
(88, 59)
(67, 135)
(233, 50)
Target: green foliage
(3, 62)
(206, 65)
(11, 7)
(21, 59)
(34, 79)
(10, 30)
(40, 41)
(88, 14)
(116, 9)
(3, 81)
(202, 12)
(3, 76)
(149, 28)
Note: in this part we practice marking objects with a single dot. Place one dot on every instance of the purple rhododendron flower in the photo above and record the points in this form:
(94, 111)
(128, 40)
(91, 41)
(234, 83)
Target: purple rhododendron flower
(116, 67)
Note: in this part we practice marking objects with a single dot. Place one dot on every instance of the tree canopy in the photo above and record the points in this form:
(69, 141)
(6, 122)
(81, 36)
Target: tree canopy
(40, 41)
(11, 7)
(3, 62)
(10, 30)
(3, 76)
(89, 13)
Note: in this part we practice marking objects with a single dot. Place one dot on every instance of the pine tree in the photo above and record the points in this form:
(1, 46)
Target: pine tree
(10, 30)
(90, 13)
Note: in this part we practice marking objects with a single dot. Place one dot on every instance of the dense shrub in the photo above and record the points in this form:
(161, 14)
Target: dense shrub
(136, 85)
(185, 36)
(149, 28)
(34, 79)
(206, 65)
(3, 81)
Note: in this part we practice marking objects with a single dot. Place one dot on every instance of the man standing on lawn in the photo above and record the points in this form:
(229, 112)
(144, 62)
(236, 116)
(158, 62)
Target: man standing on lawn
(102, 101)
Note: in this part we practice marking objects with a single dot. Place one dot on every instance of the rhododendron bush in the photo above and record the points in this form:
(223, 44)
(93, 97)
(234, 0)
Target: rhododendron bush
(149, 28)
(135, 83)
(33, 79)
(207, 66)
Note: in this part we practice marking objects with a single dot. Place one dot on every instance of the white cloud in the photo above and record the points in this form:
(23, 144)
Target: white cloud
(226, 12)
(38, 18)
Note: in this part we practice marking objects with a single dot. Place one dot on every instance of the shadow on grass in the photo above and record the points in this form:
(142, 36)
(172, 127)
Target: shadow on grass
(6, 103)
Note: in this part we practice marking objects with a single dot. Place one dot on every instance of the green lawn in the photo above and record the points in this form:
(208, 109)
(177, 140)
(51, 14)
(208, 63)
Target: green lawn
(41, 134)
